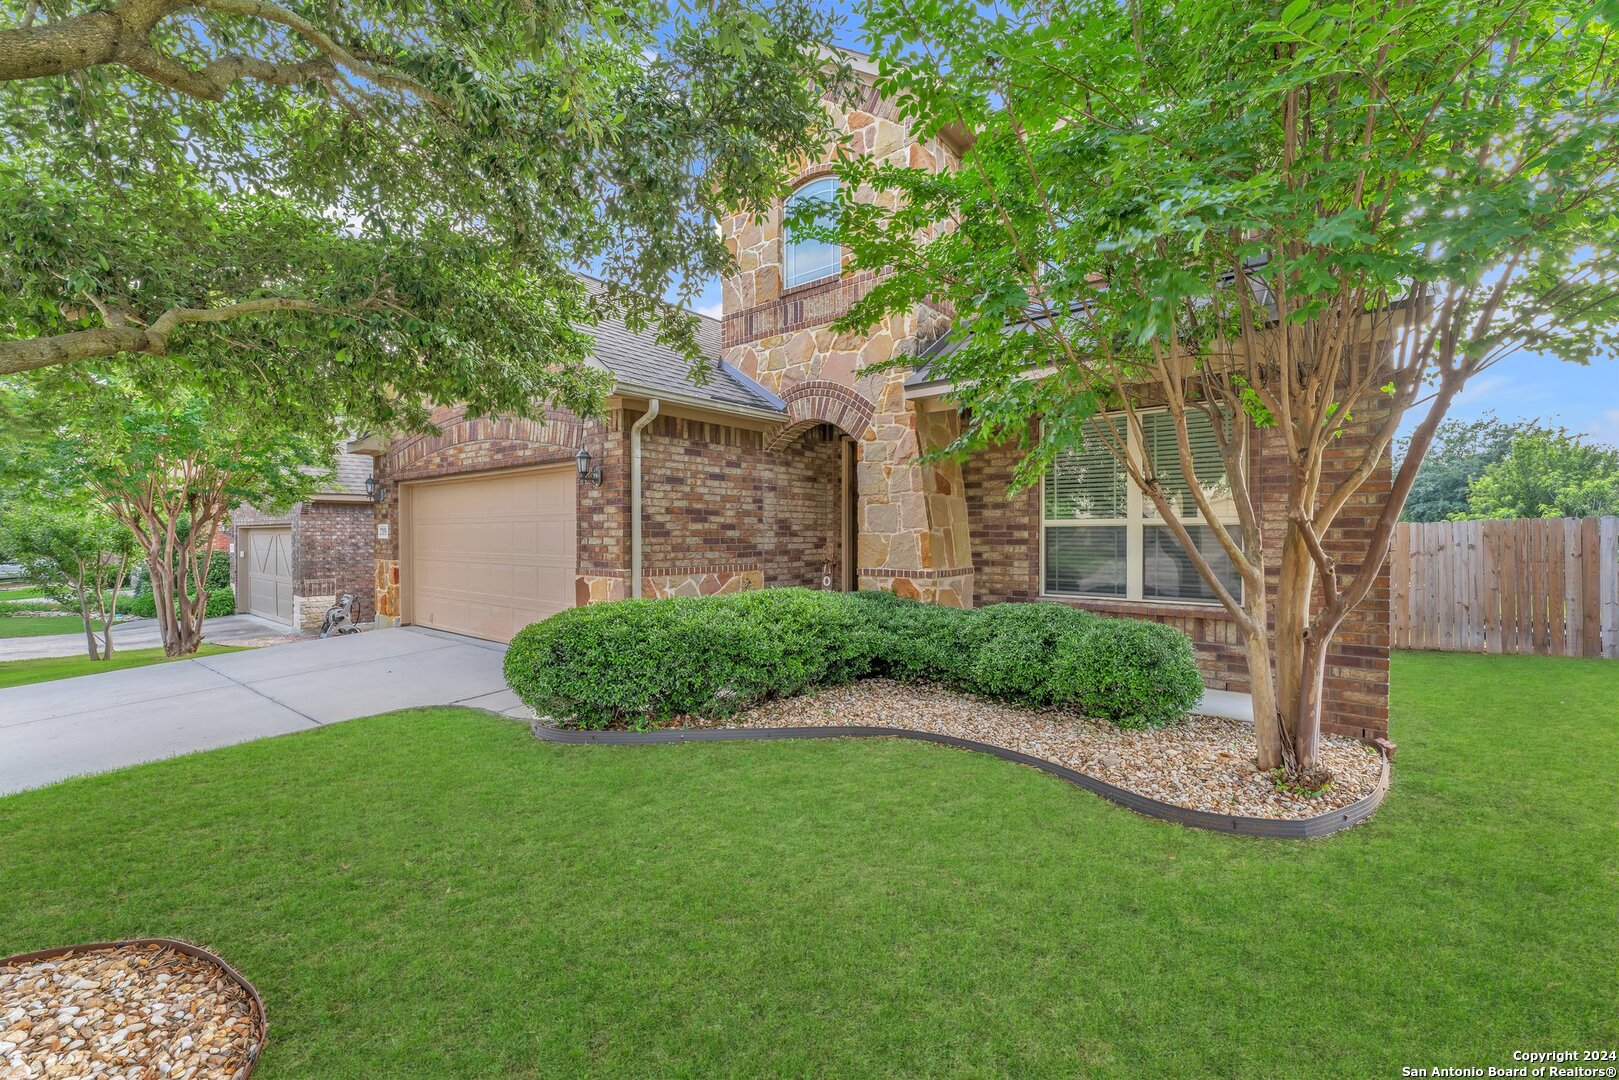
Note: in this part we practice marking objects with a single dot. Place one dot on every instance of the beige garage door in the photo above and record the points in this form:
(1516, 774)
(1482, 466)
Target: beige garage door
(265, 575)
(488, 555)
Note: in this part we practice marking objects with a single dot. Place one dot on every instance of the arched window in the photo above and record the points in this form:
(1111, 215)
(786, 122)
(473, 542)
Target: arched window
(811, 260)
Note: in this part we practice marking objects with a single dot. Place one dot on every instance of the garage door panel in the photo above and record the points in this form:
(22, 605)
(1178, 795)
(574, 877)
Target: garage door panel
(266, 572)
(491, 554)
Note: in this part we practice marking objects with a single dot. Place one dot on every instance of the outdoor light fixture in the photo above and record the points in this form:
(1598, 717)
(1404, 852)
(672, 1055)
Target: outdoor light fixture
(586, 473)
(373, 490)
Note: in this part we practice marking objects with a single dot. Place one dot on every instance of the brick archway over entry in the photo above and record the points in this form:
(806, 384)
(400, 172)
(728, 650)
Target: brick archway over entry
(820, 402)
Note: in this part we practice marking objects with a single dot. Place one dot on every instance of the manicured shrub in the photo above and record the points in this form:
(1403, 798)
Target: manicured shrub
(909, 639)
(220, 602)
(640, 662)
(1009, 649)
(1136, 674)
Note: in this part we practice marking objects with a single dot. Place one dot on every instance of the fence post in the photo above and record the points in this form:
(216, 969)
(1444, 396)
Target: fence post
(1610, 587)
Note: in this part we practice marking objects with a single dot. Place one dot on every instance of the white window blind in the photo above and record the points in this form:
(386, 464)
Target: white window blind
(1086, 482)
(1102, 537)
(1161, 449)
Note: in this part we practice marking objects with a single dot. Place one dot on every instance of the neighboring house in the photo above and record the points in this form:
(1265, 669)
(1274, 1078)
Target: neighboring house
(795, 464)
(292, 567)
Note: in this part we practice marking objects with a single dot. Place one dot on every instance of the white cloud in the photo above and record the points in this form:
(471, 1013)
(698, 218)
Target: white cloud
(713, 311)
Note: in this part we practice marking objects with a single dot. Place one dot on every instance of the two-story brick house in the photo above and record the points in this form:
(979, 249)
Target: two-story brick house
(795, 464)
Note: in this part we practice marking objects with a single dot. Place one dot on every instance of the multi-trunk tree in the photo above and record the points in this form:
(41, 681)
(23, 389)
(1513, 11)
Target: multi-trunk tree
(384, 201)
(1293, 220)
(167, 466)
(78, 552)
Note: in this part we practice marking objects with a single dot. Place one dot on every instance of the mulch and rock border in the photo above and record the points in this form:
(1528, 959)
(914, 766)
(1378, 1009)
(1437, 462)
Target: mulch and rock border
(1198, 773)
(136, 1010)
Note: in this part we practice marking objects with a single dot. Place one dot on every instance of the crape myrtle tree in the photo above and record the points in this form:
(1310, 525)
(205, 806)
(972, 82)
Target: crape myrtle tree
(77, 551)
(1295, 218)
(167, 462)
(383, 200)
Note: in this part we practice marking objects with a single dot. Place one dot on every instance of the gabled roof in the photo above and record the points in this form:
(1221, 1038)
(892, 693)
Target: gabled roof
(641, 363)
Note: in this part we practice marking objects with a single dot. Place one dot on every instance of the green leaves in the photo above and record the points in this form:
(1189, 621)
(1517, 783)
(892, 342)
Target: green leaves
(1349, 159)
(431, 220)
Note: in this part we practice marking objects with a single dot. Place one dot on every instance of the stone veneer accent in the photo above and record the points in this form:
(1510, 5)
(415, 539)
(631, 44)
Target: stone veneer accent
(913, 534)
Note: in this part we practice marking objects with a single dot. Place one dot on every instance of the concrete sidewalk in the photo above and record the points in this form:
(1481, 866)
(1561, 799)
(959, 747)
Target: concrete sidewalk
(141, 634)
(51, 731)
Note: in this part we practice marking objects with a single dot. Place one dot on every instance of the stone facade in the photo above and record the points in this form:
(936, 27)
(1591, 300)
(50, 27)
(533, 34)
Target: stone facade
(913, 536)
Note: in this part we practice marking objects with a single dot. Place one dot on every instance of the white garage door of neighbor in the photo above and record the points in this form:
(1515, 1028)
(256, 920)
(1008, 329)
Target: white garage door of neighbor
(488, 555)
(267, 572)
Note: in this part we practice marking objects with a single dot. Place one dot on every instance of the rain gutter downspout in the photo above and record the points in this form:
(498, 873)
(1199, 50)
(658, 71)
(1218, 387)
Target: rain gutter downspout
(635, 493)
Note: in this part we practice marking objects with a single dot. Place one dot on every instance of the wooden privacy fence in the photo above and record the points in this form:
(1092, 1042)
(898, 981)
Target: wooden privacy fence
(1528, 586)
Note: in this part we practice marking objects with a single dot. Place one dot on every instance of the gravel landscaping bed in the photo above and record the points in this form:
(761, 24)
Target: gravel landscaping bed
(1206, 763)
(143, 1012)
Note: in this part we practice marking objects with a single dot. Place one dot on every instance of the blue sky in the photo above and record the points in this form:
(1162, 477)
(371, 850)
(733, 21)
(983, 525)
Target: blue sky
(1521, 387)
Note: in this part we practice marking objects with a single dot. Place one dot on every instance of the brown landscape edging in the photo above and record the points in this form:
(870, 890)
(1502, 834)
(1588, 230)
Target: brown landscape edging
(178, 946)
(1277, 828)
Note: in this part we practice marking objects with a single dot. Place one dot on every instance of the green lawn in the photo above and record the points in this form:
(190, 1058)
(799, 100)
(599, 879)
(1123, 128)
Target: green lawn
(22, 672)
(435, 893)
(40, 625)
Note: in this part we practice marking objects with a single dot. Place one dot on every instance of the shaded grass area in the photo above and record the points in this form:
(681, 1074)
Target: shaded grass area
(13, 626)
(435, 893)
(48, 669)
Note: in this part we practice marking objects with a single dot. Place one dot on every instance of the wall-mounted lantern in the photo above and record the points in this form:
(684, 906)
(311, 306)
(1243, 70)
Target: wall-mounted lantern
(586, 473)
(374, 491)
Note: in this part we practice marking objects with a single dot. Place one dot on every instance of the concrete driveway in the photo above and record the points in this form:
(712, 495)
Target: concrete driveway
(50, 731)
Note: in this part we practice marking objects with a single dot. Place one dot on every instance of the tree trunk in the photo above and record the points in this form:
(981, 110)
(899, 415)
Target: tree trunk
(1300, 663)
(161, 569)
(1268, 732)
(84, 613)
(109, 611)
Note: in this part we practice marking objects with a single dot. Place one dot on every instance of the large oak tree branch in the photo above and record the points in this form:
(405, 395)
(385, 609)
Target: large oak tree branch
(30, 354)
(121, 34)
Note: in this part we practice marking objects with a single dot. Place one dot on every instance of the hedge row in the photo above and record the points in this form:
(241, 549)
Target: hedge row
(640, 662)
(220, 602)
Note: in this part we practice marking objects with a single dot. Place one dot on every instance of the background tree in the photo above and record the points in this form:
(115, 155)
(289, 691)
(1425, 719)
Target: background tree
(1297, 219)
(1548, 474)
(78, 552)
(1458, 455)
(168, 468)
(385, 198)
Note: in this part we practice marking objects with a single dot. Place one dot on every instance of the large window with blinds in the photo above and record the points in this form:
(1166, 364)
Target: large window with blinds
(1101, 537)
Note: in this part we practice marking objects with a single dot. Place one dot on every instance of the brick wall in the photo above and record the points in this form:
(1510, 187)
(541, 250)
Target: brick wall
(465, 445)
(716, 501)
(1006, 556)
(721, 511)
(332, 552)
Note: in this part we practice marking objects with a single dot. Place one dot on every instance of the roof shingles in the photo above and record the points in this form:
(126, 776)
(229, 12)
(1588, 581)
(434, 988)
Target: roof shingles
(640, 361)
